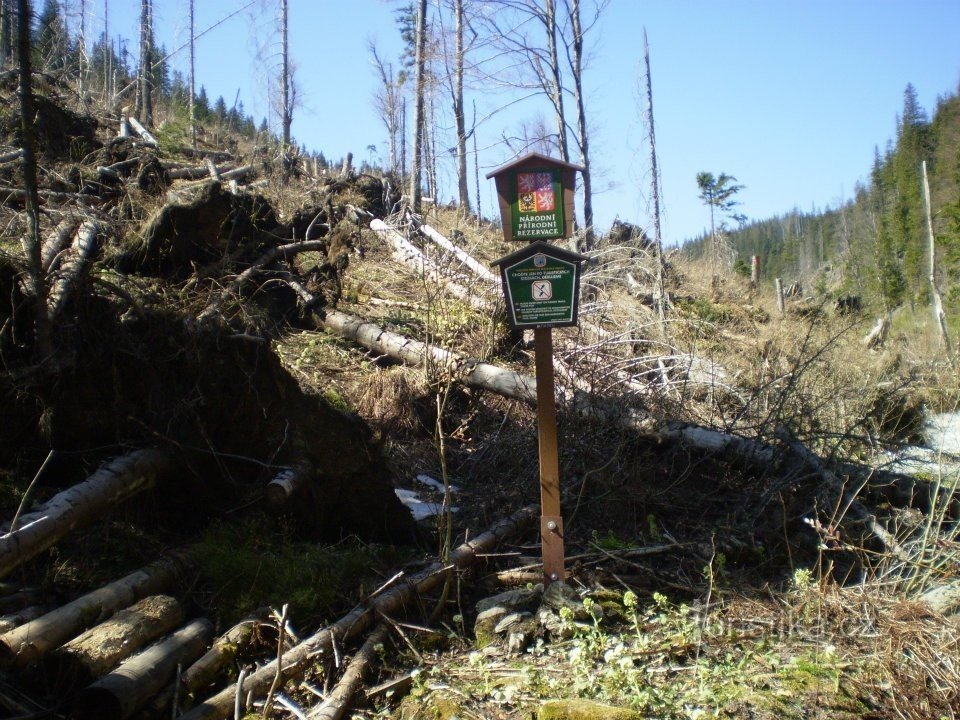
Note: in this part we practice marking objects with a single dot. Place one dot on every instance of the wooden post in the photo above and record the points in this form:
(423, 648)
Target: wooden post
(778, 284)
(551, 522)
(754, 270)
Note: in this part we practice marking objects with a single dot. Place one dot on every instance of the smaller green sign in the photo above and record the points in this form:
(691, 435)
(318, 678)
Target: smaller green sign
(541, 291)
(536, 207)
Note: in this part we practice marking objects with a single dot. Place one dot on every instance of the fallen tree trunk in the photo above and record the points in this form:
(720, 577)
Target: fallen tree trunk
(394, 600)
(119, 694)
(202, 673)
(11, 156)
(56, 242)
(408, 254)
(28, 643)
(478, 269)
(334, 707)
(8, 194)
(851, 506)
(16, 601)
(145, 134)
(80, 505)
(72, 269)
(413, 352)
(101, 648)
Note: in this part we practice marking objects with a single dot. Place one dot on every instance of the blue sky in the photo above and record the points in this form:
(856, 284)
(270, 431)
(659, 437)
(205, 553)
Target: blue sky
(790, 97)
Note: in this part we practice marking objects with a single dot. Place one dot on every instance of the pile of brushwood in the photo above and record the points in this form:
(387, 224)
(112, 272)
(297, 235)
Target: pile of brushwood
(170, 490)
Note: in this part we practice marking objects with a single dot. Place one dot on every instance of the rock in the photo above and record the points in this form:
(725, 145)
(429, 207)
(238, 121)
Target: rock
(522, 599)
(584, 710)
(559, 595)
(496, 615)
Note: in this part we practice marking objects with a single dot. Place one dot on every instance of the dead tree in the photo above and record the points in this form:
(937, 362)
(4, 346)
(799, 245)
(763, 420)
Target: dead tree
(419, 120)
(36, 282)
(661, 298)
(144, 105)
(939, 319)
(193, 66)
(286, 116)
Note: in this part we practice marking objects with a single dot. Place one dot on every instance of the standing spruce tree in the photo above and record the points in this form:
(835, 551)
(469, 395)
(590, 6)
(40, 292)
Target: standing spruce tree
(718, 194)
(51, 44)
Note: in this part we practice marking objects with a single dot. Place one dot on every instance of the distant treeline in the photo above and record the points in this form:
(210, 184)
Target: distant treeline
(876, 245)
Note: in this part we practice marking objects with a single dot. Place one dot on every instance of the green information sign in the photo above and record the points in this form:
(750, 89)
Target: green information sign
(542, 291)
(536, 204)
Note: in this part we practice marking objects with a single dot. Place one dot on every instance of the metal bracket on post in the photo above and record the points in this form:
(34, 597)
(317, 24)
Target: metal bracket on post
(551, 538)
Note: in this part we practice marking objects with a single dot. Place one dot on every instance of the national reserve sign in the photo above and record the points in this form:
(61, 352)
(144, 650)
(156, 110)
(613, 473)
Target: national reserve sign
(536, 208)
(535, 194)
(541, 285)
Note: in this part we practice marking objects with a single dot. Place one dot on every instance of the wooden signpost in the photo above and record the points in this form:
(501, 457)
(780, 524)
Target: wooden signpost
(541, 283)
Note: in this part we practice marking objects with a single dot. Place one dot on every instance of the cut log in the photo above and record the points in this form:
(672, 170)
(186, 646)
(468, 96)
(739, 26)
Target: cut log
(16, 601)
(119, 694)
(392, 601)
(14, 620)
(212, 169)
(334, 707)
(288, 484)
(145, 134)
(237, 173)
(81, 504)
(204, 671)
(30, 642)
(72, 269)
(101, 648)
(8, 195)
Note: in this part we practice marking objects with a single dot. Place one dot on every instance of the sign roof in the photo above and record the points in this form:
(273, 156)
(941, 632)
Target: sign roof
(540, 246)
(538, 157)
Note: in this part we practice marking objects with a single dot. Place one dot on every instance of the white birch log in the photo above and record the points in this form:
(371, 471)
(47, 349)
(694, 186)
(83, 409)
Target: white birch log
(72, 268)
(80, 505)
(288, 483)
(101, 648)
(119, 694)
(57, 241)
(392, 601)
(29, 642)
(144, 134)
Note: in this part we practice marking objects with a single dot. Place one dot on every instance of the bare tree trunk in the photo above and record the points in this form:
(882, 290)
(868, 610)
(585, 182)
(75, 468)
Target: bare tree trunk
(30, 642)
(582, 137)
(116, 696)
(778, 289)
(287, 118)
(938, 316)
(80, 505)
(458, 111)
(661, 300)
(193, 68)
(419, 120)
(36, 282)
(82, 46)
(550, 20)
(144, 103)
(5, 33)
